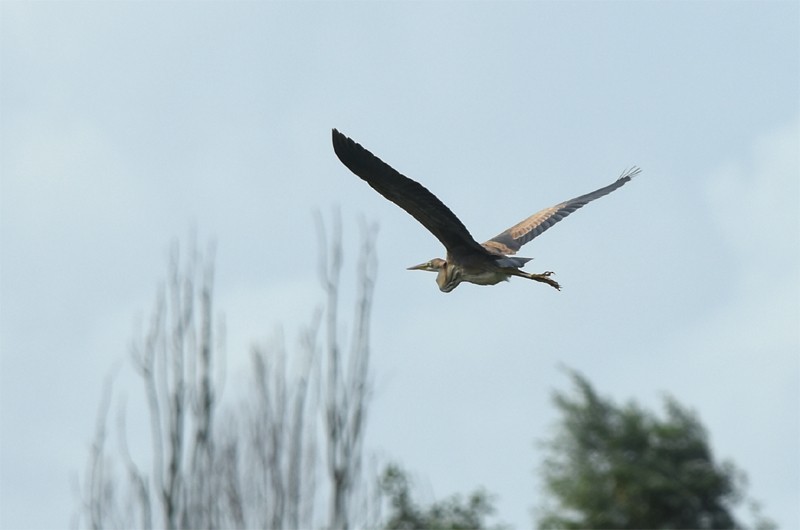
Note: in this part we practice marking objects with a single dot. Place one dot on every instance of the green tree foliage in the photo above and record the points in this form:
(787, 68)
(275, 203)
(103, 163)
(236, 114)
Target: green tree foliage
(453, 513)
(613, 466)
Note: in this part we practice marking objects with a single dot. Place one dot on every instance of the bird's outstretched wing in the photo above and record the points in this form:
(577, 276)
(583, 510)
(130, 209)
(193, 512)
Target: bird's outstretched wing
(409, 195)
(510, 241)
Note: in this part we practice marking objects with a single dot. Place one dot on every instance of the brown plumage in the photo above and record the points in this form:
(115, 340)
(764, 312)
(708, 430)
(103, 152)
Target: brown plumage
(467, 260)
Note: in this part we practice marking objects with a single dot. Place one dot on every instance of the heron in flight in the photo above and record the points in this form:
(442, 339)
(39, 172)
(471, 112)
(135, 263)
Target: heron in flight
(467, 260)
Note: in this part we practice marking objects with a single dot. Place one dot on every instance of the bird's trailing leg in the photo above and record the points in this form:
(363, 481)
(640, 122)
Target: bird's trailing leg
(545, 278)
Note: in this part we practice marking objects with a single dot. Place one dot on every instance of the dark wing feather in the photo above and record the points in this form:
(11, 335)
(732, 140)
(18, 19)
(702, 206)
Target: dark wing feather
(510, 241)
(409, 195)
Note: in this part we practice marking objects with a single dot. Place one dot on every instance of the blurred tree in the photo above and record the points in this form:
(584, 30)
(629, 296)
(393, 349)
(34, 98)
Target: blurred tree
(613, 466)
(346, 371)
(257, 466)
(451, 514)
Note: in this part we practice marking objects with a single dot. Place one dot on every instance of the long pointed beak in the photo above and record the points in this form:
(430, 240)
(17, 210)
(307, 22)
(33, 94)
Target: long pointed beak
(420, 267)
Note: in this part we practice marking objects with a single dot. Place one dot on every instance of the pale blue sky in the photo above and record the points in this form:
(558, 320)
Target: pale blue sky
(126, 124)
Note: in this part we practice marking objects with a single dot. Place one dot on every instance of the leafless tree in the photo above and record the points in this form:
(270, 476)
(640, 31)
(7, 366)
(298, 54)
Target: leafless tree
(260, 470)
(280, 435)
(346, 378)
(175, 361)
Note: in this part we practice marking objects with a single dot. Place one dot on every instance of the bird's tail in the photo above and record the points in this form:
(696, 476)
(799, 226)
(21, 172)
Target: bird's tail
(512, 261)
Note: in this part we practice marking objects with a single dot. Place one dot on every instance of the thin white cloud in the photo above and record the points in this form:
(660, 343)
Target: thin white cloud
(755, 201)
(746, 349)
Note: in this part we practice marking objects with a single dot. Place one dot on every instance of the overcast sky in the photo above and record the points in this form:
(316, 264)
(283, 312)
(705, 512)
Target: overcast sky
(125, 125)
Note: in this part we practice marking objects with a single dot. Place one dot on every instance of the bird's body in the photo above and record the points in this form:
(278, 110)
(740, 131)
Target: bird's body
(467, 260)
(487, 270)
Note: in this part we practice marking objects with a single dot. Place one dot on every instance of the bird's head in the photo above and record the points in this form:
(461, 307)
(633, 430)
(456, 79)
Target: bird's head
(447, 278)
(434, 265)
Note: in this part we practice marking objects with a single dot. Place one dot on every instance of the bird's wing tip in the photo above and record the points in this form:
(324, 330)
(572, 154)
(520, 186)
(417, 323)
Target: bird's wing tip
(630, 173)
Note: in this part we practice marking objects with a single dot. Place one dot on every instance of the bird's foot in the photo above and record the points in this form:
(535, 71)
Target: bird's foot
(545, 278)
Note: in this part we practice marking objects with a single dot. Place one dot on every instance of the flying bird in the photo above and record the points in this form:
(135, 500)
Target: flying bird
(467, 260)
